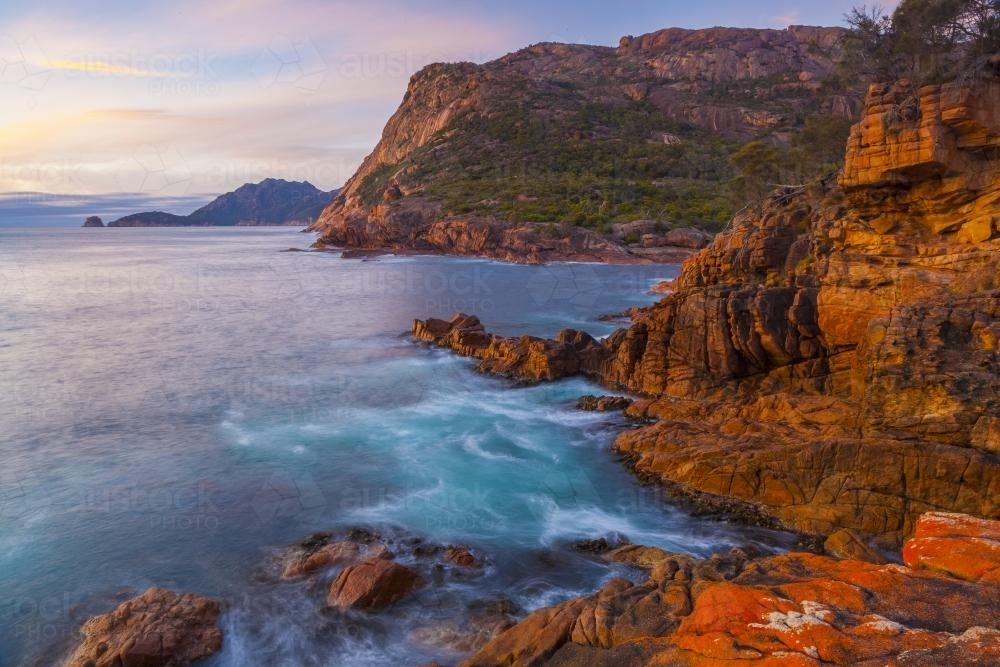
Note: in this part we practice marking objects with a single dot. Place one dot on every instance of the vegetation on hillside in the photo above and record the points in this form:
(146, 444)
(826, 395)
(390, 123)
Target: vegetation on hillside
(594, 164)
(924, 41)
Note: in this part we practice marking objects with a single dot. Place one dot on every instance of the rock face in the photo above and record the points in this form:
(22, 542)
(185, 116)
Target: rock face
(475, 150)
(831, 360)
(159, 628)
(793, 609)
(93, 221)
(270, 202)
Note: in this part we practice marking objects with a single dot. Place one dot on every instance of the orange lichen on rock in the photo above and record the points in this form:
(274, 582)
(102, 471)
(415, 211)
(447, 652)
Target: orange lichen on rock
(794, 609)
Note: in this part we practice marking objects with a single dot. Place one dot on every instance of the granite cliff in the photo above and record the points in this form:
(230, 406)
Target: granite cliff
(270, 202)
(508, 158)
(831, 360)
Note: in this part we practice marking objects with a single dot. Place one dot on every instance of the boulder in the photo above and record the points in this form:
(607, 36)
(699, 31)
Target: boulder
(957, 545)
(687, 237)
(372, 585)
(159, 628)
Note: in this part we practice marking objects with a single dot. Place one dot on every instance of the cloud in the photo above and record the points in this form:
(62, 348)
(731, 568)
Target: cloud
(182, 76)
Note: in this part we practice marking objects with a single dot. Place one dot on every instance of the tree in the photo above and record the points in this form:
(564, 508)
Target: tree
(922, 40)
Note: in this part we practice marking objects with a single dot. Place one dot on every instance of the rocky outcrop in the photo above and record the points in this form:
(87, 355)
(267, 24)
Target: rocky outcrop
(159, 628)
(831, 360)
(93, 221)
(273, 201)
(792, 609)
(418, 225)
(527, 358)
(476, 153)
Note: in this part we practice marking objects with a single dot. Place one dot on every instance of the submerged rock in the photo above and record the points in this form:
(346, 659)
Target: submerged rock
(462, 556)
(159, 628)
(338, 554)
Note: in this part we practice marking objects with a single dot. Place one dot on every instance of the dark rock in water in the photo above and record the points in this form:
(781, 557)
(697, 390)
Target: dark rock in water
(603, 403)
(461, 556)
(159, 628)
(528, 359)
(601, 545)
(372, 585)
(468, 632)
(93, 221)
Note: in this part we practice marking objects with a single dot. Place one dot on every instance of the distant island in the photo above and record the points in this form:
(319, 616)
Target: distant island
(272, 202)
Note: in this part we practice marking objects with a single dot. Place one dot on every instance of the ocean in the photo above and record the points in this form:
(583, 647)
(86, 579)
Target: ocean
(179, 405)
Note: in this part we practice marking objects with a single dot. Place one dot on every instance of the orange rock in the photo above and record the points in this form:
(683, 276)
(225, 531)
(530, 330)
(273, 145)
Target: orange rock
(371, 585)
(159, 628)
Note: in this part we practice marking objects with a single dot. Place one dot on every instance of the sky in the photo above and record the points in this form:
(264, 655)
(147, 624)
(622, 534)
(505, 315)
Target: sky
(173, 101)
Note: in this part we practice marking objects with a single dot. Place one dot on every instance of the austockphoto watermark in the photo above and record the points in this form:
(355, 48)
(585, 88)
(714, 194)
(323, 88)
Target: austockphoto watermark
(178, 508)
(398, 64)
(331, 169)
(57, 176)
(198, 64)
(428, 282)
(45, 618)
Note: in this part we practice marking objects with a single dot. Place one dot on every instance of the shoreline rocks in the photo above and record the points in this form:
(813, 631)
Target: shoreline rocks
(796, 609)
(160, 628)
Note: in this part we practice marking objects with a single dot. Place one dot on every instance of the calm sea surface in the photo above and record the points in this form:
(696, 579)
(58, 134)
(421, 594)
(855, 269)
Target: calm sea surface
(178, 405)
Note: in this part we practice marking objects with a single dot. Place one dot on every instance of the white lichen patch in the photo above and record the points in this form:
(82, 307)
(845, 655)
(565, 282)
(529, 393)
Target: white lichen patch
(978, 634)
(813, 614)
(884, 626)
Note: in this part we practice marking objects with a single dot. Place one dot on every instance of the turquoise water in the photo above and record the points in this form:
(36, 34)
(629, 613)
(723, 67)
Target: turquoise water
(178, 405)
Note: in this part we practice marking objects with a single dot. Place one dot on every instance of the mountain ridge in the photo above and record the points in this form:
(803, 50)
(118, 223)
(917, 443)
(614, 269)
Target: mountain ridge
(272, 201)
